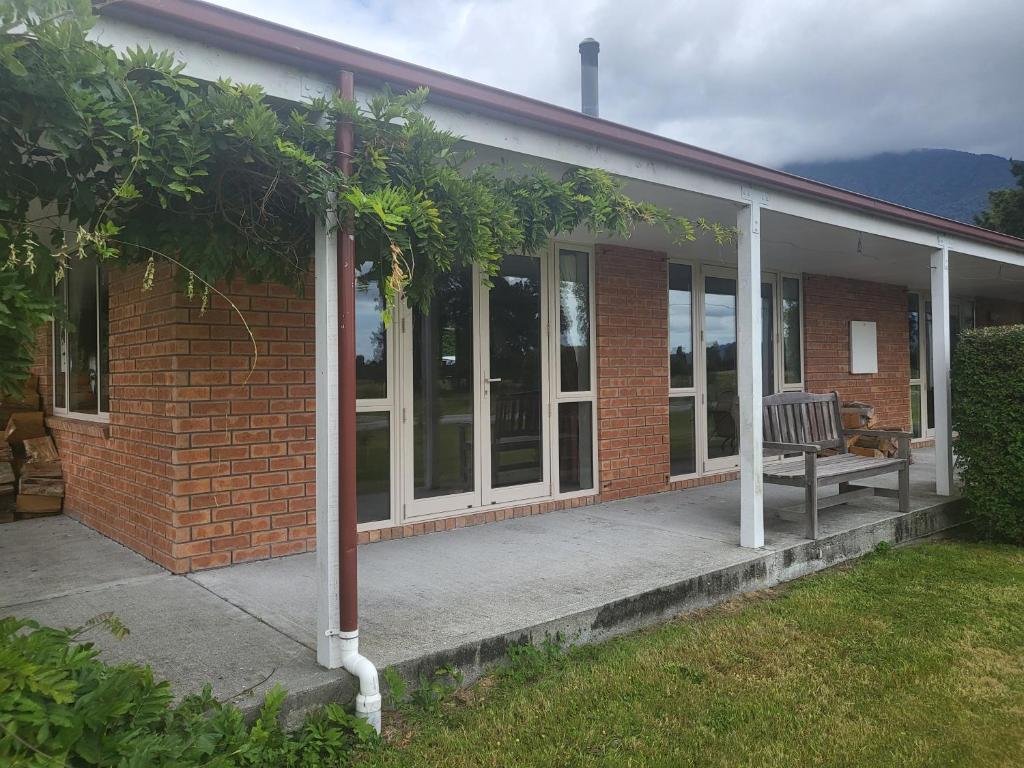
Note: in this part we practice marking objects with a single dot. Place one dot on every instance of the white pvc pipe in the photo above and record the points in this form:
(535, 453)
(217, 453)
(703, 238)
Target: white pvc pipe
(368, 700)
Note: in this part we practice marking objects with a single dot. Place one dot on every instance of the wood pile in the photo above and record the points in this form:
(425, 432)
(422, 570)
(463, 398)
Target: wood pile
(29, 463)
(858, 415)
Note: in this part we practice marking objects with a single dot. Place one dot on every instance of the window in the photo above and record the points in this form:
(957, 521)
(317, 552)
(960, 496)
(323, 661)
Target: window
(81, 351)
(574, 390)
(682, 410)
(791, 342)
(574, 319)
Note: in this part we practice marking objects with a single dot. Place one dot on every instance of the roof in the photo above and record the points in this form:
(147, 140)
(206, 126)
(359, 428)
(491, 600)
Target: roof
(248, 34)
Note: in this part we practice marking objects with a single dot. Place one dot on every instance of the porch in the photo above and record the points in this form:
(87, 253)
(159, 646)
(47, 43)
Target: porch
(457, 597)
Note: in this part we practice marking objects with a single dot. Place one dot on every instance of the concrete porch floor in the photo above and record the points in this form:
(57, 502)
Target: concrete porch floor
(456, 597)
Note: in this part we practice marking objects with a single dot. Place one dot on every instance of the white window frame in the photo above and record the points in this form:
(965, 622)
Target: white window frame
(691, 391)
(700, 270)
(60, 352)
(387, 405)
(555, 346)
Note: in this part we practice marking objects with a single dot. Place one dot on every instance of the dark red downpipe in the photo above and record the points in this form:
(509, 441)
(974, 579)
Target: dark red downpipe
(347, 536)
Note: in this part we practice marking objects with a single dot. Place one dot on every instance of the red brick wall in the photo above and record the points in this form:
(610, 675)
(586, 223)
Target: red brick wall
(830, 303)
(119, 476)
(246, 472)
(632, 371)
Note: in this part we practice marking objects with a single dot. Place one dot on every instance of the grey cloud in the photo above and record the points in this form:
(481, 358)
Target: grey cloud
(767, 80)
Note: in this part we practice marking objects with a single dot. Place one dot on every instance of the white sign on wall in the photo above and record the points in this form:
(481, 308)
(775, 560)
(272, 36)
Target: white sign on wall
(863, 347)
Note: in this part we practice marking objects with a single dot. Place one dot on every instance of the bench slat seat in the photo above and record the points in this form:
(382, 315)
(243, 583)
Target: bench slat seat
(806, 424)
(831, 469)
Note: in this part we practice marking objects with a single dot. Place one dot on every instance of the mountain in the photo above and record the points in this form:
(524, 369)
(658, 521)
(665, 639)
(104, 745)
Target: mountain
(941, 181)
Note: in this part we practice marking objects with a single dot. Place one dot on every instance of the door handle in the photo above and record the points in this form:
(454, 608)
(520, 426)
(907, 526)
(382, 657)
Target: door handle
(491, 381)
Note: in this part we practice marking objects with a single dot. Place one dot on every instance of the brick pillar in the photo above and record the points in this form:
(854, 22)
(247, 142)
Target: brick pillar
(632, 371)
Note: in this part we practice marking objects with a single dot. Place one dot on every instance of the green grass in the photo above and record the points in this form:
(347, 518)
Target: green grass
(912, 657)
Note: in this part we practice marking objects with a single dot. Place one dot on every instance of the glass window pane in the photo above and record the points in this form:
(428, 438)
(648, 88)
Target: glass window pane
(442, 387)
(723, 405)
(574, 319)
(373, 466)
(791, 342)
(371, 335)
(681, 435)
(680, 326)
(83, 352)
(930, 406)
(915, 409)
(517, 436)
(767, 338)
(575, 447)
(914, 327)
(60, 349)
(104, 339)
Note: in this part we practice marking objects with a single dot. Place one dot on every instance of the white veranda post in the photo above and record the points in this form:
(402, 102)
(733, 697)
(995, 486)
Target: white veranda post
(328, 647)
(940, 371)
(748, 316)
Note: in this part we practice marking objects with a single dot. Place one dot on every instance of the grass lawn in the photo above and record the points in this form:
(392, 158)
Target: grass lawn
(912, 657)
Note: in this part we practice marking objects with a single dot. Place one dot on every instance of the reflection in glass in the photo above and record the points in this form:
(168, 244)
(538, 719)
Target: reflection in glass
(681, 434)
(915, 409)
(517, 454)
(83, 351)
(371, 335)
(442, 383)
(104, 339)
(767, 338)
(575, 447)
(792, 370)
(373, 466)
(59, 348)
(930, 409)
(720, 353)
(914, 331)
(680, 326)
(574, 319)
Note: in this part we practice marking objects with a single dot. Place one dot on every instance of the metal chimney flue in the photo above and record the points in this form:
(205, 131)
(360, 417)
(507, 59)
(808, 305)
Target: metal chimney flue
(589, 49)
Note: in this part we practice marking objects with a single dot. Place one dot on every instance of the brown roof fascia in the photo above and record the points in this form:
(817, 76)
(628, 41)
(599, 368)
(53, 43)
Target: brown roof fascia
(248, 34)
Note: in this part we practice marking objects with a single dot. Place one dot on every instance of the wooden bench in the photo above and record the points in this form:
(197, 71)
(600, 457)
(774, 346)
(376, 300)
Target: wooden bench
(803, 423)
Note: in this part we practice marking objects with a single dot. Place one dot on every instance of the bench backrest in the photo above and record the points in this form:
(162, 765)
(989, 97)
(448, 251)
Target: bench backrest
(802, 417)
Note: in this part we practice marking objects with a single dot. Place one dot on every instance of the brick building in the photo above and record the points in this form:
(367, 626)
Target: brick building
(596, 370)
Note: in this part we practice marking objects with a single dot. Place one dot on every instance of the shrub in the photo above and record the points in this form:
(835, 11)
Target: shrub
(988, 415)
(60, 705)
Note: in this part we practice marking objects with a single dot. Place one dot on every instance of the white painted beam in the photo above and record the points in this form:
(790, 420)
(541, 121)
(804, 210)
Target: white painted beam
(940, 371)
(748, 364)
(325, 263)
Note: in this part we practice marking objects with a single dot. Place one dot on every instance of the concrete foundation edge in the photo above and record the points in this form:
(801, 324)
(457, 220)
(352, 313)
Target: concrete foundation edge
(764, 569)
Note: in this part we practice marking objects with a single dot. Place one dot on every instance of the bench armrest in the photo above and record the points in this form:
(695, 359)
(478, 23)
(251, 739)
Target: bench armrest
(878, 433)
(791, 448)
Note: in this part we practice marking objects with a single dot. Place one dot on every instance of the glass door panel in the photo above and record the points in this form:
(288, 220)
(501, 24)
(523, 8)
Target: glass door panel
(722, 401)
(443, 396)
(514, 379)
(768, 338)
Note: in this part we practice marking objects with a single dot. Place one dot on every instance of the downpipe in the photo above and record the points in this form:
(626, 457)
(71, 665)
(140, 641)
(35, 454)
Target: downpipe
(368, 700)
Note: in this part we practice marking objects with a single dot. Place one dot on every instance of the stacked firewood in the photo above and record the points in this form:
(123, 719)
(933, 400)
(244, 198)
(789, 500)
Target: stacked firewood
(29, 463)
(858, 415)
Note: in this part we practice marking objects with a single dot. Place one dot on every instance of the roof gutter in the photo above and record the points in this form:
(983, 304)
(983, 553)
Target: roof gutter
(248, 34)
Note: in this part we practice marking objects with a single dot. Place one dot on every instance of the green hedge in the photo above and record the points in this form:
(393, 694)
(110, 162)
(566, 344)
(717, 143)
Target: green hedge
(988, 415)
(60, 705)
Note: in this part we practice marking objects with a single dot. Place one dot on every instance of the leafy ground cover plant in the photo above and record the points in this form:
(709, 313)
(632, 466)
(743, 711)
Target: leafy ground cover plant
(60, 705)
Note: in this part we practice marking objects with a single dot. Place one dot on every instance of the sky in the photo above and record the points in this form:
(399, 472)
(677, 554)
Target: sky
(770, 81)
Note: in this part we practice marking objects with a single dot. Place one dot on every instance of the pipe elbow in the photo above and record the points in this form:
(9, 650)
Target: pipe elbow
(368, 700)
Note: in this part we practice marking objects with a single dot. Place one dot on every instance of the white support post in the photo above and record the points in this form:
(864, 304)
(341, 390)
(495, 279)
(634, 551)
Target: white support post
(940, 371)
(328, 642)
(748, 364)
